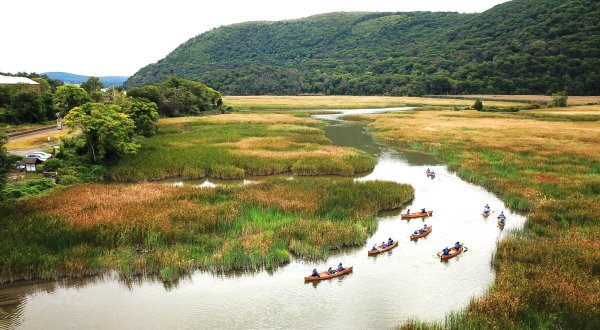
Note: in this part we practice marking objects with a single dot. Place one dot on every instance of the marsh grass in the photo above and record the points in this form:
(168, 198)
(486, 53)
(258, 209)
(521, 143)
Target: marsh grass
(547, 275)
(269, 102)
(141, 229)
(231, 146)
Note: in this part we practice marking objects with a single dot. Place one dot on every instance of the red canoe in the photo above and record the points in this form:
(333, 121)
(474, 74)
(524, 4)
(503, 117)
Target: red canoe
(423, 234)
(417, 215)
(453, 253)
(380, 249)
(325, 275)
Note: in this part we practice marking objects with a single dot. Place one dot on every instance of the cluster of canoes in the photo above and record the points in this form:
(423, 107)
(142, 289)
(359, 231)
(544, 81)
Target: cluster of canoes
(501, 218)
(445, 254)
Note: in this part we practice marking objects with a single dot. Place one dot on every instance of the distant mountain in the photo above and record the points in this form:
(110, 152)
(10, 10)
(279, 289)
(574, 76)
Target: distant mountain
(518, 47)
(70, 78)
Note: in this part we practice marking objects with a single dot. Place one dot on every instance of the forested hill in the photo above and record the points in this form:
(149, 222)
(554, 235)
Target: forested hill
(519, 47)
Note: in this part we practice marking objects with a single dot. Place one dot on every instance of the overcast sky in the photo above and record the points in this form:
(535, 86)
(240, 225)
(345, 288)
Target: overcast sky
(118, 37)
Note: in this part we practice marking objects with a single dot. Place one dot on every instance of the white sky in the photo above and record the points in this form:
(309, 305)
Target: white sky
(118, 37)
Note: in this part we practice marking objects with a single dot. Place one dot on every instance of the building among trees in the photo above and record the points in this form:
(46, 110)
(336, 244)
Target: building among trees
(24, 84)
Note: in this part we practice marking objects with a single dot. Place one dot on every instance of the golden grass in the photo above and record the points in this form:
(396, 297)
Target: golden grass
(147, 228)
(39, 139)
(548, 273)
(492, 131)
(343, 102)
(570, 110)
(573, 100)
(259, 119)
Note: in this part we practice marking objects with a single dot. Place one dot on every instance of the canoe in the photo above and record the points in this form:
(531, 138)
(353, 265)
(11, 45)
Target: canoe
(485, 215)
(381, 250)
(501, 224)
(417, 215)
(325, 275)
(425, 233)
(453, 253)
(430, 175)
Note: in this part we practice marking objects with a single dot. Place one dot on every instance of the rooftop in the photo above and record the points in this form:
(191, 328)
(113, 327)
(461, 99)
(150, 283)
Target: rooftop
(6, 80)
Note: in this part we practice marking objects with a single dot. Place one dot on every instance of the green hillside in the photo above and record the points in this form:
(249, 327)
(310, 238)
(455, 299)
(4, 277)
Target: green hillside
(519, 47)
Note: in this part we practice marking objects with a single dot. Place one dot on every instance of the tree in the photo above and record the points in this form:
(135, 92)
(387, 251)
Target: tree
(145, 117)
(559, 99)
(92, 84)
(69, 96)
(107, 132)
(7, 162)
(478, 105)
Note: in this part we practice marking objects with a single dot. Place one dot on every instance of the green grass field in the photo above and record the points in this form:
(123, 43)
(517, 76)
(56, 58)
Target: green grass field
(230, 146)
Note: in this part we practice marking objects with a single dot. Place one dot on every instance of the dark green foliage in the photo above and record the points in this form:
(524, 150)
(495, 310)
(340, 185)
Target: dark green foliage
(145, 117)
(478, 105)
(20, 189)
(559, 99)
(19, 106)
(7, 162)
(519, 47)
(180, 97)
(68, 97)
(92, 84)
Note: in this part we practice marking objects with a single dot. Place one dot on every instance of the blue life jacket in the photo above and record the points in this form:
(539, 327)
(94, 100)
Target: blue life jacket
(446, 251)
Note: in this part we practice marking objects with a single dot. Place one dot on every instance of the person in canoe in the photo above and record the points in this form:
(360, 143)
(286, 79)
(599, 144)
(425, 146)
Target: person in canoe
(428, 171)
(340, 267)
(416, 232)
(425, 227)
(408, 211)
(446, 251)
(390, 241)
(383, 245)
(457, 246)
(423, 210)
(374, 248)
(421, 231)
(330, 271)
(502, 216)
(315, 273)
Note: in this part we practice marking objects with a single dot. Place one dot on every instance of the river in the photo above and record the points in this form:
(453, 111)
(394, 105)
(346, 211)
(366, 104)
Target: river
(409, 281)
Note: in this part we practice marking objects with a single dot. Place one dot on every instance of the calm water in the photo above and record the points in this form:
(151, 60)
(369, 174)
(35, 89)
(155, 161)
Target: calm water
(409, 281)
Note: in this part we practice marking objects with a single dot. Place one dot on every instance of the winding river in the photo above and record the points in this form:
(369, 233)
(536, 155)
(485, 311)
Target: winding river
(409, 281)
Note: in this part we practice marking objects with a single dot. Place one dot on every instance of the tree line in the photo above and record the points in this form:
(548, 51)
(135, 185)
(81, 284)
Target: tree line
(519, 47)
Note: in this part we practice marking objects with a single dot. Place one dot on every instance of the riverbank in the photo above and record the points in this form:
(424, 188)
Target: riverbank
(141, 229)
(231, 146)
(548, 274)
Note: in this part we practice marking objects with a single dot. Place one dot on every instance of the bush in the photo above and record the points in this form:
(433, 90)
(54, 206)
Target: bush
(559, 99)
(26, 188)
(52, 165)
(478, 105)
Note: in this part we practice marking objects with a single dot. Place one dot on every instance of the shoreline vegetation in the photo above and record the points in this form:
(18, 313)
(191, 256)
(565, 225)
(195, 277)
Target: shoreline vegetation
(231, 146)
(547, 274)
(542, 161)
(149, 228)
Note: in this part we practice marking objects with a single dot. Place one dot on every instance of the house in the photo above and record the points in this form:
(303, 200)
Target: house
(31, 163)
(24, 84)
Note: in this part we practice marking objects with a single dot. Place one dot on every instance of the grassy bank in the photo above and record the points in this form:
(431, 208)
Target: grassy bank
(548, 275)
(230, 146)
(139, 229)
(347, 102)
